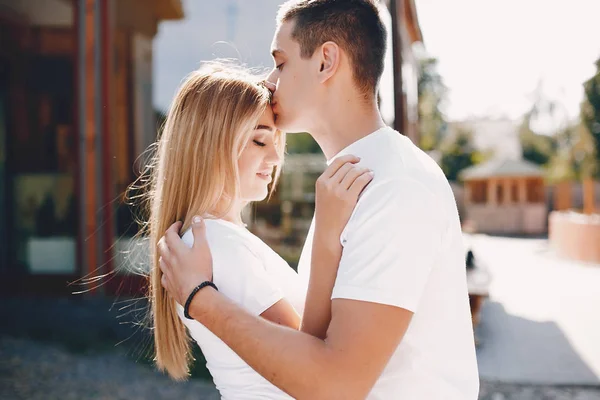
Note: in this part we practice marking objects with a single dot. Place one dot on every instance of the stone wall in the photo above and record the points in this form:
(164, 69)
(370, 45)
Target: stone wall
(528, 219)
(577, 199)
(575, 236)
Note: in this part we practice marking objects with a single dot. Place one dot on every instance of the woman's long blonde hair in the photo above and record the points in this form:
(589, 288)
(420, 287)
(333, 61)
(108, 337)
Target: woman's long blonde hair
(195, 172)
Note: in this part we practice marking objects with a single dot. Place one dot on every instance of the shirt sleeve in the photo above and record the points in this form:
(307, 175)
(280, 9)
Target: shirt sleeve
(240, 274)
(390, 245)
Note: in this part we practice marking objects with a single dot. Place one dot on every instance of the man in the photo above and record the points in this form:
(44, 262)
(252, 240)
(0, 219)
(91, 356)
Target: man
(400, 323)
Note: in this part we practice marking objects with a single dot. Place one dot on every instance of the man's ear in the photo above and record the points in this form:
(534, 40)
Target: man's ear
(330, 60)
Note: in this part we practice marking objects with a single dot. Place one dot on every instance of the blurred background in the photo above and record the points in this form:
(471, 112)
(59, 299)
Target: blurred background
(504, 95)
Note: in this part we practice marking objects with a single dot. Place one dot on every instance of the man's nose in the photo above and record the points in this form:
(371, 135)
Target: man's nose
(271, 81)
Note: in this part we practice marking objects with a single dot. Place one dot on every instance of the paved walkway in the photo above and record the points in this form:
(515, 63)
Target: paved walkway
(541, 323)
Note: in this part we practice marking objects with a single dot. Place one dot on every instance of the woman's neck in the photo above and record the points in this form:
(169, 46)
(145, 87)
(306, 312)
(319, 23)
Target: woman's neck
(235, 215)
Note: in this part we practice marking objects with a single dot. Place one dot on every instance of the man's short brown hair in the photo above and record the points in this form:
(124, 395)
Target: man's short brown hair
(353, 24)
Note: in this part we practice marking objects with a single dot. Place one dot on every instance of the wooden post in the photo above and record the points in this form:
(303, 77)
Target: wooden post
(122, 136)
(522, 190)
(507, 189)
(105, 111)
(562, 196)
(492, 194)
(87, 119)
(468, 194)
(588, 196)
(95, 146)
(397, 13)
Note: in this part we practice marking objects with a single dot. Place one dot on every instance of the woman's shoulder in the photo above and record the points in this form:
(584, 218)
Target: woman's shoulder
(226, 240)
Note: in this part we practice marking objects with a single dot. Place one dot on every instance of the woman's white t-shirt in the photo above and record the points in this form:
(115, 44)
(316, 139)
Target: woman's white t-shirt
(251, 274)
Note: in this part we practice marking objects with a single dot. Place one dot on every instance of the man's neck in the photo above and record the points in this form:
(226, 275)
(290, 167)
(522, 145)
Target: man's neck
(344, 123)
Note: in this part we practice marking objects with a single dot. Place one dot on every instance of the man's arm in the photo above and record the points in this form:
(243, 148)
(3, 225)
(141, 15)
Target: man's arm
(345, 365)
(363, 333)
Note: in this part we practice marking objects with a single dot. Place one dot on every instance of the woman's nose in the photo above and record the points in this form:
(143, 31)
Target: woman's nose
(273, 157)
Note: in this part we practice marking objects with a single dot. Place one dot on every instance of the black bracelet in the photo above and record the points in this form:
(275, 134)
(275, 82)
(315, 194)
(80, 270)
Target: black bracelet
(204, 284)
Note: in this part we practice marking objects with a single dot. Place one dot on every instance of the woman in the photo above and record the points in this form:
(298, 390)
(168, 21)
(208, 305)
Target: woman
(218, 152)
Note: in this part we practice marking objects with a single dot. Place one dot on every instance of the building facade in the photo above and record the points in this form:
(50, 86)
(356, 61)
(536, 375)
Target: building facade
(505, 196)
(75, 112)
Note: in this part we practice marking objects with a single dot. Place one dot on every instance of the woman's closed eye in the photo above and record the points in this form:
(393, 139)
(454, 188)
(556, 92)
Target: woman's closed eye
(259, 143)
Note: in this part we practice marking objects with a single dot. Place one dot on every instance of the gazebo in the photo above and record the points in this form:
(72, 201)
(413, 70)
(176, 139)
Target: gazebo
(505, 196)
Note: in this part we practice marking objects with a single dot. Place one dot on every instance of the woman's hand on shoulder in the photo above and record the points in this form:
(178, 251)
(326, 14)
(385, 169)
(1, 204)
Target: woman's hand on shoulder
(337, 192)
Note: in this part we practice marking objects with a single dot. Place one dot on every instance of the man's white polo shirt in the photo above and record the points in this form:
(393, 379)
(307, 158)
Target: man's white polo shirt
(403, 247)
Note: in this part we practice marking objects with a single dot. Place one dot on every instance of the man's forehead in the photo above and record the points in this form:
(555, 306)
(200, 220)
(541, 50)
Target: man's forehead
(281, 39)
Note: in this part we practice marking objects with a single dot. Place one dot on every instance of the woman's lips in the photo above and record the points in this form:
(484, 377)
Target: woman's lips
(264, 175)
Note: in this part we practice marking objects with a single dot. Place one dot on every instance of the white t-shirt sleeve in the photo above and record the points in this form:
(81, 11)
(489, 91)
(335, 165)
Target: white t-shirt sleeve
(240, 274)
(390, 245)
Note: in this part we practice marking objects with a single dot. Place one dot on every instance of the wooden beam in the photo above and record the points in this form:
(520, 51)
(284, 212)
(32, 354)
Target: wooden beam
(522, 191)
(492, 192)
(507, 191)
(562, 196)
(469, 192)
(95, 178)
(396, 11)
(107, 127)
(588, 196)
(88, 137)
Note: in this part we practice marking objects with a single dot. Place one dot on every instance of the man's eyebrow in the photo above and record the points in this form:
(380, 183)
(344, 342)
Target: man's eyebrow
(265, 127)
(276, 52)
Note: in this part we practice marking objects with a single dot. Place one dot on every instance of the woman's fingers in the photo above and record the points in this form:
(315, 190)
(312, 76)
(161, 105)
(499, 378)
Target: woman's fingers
(338, 163)
(351, 176)
(360, 183)
(164, 266)
(341, 173)
(164, 282)
(173, 241)
(164, 251)
(175, 227)
(198, 231)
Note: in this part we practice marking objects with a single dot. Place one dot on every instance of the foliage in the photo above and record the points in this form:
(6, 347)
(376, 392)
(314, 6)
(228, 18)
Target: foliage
(432, 93)
(459, 153)
(301, 143)
(565, 153)
(536, 148)
(590, 118)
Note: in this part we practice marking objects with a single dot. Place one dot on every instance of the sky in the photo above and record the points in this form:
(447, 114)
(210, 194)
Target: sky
(240, 29)
(492, 53)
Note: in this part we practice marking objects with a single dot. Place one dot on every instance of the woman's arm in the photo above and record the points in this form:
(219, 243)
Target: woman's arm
(282, 313)
(323, 271)
(337, 192)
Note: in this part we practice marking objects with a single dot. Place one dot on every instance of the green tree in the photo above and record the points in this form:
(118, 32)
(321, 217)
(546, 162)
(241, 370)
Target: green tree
(432, 93)
(536, 148)
(590, 118)
(459, 153)
(301, 143)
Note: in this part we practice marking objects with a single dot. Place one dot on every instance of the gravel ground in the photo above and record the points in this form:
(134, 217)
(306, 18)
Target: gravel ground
(32, 370)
